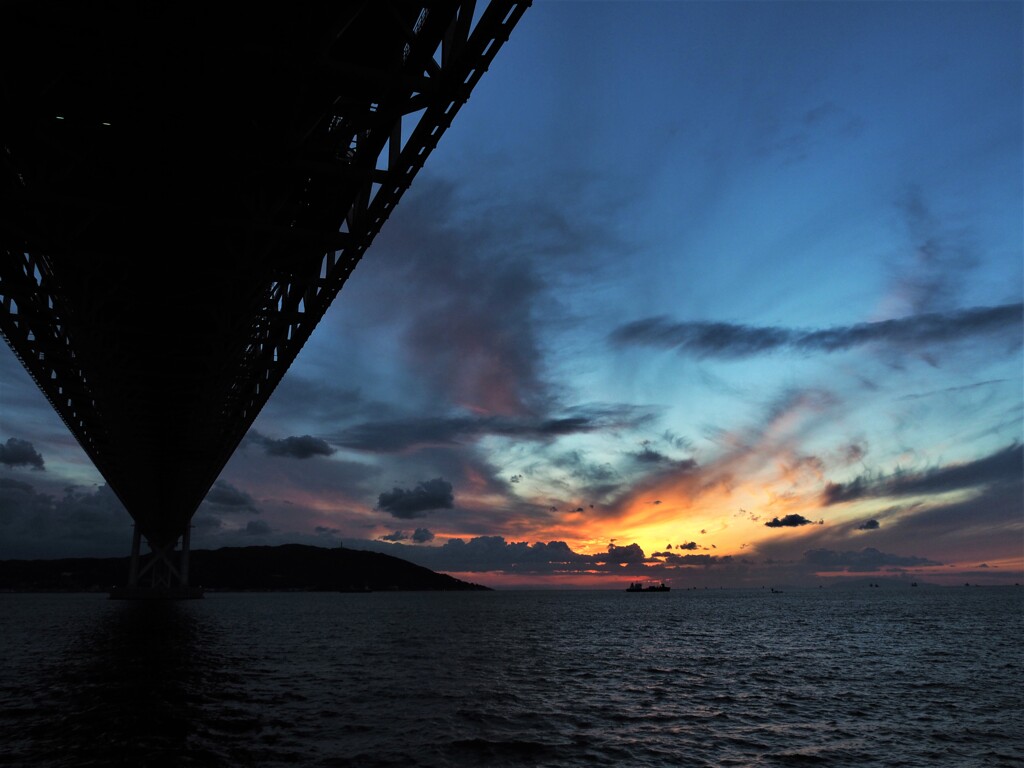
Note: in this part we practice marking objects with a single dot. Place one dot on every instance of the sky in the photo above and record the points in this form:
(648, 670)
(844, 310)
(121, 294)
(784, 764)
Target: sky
(716, 294)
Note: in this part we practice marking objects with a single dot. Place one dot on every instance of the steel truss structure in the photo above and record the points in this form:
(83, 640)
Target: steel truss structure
(184, 190)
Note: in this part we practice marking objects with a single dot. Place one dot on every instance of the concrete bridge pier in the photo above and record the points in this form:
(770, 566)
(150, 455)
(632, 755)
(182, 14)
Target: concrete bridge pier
(167, 570)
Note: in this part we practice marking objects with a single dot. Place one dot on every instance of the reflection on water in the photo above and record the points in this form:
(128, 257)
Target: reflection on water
(121, 686)
(125, 689)
(578, 680)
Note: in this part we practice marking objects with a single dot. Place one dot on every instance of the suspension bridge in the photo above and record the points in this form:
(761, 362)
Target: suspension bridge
(184, 190)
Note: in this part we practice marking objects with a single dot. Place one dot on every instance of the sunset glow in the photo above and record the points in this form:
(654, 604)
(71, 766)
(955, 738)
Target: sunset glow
(719, 294)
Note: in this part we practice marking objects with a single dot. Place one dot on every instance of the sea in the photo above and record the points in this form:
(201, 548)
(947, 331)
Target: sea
(733, 677)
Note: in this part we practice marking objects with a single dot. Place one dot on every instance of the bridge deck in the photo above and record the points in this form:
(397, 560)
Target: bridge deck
(185, 191)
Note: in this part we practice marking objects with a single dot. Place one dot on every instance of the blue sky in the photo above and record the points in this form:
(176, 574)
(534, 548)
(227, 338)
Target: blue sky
(716, 293)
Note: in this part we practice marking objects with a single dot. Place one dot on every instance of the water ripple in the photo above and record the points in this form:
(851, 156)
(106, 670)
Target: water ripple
(560, 679)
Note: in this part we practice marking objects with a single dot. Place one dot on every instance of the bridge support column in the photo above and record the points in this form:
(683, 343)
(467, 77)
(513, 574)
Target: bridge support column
(186, 546)
(168, 575)
(133, 572)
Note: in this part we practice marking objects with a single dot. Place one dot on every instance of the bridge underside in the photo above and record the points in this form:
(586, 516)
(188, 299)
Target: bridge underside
(185, 191)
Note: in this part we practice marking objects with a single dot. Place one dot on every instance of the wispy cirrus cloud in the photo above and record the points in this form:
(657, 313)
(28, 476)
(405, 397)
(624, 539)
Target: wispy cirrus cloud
(397, 435)
(1006, 465)
(731, 340)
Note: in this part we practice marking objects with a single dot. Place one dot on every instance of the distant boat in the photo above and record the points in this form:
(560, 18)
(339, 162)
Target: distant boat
(637, 586)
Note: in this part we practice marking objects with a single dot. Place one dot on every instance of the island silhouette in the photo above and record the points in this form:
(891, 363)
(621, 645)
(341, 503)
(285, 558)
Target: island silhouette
(288, 567)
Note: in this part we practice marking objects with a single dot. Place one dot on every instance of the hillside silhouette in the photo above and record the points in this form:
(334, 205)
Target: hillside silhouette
(288, 567)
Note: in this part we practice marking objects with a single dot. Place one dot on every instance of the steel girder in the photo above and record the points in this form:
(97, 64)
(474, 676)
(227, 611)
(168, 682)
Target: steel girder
(159, 277)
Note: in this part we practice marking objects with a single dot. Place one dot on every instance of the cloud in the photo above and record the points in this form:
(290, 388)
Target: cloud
(996, 507)
(16, 485)
(226, 498)
(205, 523)
(84, 523)
(937, 260)
(317, 399)
(496, 554)
(631, 553)
(466, 285)
(650, 456)
(469, 309)
(729, 340)
(789, 521)
(868, 559)
(428, 495)
(1006, 465)
(397, 435)
(303, 447)
(869, 525)
(670, 558)
(16, 453)
(422, 535)
(258, 528)
(396, 536)
(832, 115)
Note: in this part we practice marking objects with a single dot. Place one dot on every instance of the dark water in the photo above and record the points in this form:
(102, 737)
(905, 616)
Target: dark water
(914, 677)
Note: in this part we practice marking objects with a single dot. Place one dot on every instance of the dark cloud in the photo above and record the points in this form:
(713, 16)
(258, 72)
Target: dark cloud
(397, 435)
(495, 554)
(631, 553)
(396, 536)
(576, 465)
(1006, 465)
(688, 545)
(16, 485)
(303, 447)
(854, 452)
(728, 340)
(223, 497)
(789, 521)
(469, 308)
(17, 453)
(670, 558)
(203, 522)
(422, 535)
(393, 436)
(86, 523)
(258, 528)
(998, 506)
(427, 496)
(868, 559)
(318, 400)
(649, 456)
(869, 525)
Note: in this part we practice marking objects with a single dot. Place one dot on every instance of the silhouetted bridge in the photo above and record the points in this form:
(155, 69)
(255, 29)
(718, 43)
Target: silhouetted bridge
(185, 188)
